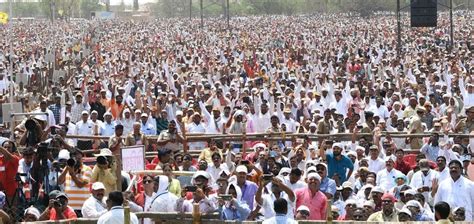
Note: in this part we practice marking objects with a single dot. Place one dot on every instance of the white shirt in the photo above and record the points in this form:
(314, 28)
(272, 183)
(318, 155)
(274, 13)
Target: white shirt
(214, 172)
(267, 205)
(290, 124)
(457, 194)
(85, 128)
(107, 129)
(419, 180)
(116, 216)
(196, 128)
(49, 118)
(443, 175)
(386, 179)
(164, 203)
(93, 208)
(280, 219)
(298, 185)
(376, 165)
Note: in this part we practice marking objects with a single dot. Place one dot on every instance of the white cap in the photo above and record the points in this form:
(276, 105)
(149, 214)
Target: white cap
(302, 208)
(64, 154)
(241, 169)
(413, 203)
(314, 175)
(98, 186)
(410, 192)
(107, 113)
(85, 112)
(405, 210)
(179, 113)
(33, 211)
(378, 189)
(202, 173)
(104, 152)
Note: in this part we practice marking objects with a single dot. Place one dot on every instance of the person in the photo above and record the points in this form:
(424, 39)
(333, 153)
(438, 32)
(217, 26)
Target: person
(104, 170)
(328, 186)
(457, 190)
(170, 138)
(58, 208)
(431, 149)
(233, 208)
(404, 215)
(248, 188)
(278, 190)
(9, 163)
(116, 143)
(417, 212)
(340, 167)
(84, 127)
(164, 200)
(205, 204)
(388, 213)
(280, 206)
(115, 205)
(76, 179)
(136, 137)
(459, 214)
(312, 197)
(294, 180)
(31, 214)
(95, 205)
(386, 177)
(302, 213)
(174, 186)
(442, 213)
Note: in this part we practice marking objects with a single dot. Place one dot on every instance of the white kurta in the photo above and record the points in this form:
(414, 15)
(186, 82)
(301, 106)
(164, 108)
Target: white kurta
(457, 194)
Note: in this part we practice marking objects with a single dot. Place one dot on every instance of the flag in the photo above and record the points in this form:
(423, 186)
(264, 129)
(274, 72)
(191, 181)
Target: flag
(3, 18)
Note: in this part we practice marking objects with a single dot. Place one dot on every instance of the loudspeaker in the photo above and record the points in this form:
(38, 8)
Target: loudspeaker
(424, 13)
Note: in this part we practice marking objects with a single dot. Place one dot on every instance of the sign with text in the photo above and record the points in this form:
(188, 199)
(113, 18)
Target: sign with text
(133, 158)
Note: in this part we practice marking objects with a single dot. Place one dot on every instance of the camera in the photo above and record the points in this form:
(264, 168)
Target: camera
(71, 162)
(57, 203)
(101, 160)
(190, 188)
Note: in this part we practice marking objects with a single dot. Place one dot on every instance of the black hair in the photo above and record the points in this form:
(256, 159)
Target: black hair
(280, 206)
(216, 154)
(443, 209)
(420, 196)
(116, 198)
(118, 127)
(13, 149)
(455, 162)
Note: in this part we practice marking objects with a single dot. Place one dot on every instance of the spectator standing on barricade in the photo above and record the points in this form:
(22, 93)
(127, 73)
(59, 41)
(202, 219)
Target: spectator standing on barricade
(115, 204)
(76, 179)
(95, 205)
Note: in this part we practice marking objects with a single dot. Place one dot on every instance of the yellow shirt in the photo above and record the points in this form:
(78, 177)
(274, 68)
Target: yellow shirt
(380, 217)
(175, 187)
(206, 154)
(106, 176)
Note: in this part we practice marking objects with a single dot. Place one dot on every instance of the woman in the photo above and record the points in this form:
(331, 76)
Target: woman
(400, 181)
(175, 186)
(187, 165)
(233, 208)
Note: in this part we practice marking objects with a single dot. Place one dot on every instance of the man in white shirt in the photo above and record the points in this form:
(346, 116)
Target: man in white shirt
(115, 215)
(422, 180)
(280, 206)
(84, 127)
(44, 109)
(278, 191)
(386, 177)
(442, 169)
(196, 127)
(107, 128)
(164, 200)
(457, 191)
(293, 181)
(288, 121)
(95, 205)
(376, 164)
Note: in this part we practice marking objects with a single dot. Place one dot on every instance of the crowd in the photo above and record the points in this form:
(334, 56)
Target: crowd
(153, 83)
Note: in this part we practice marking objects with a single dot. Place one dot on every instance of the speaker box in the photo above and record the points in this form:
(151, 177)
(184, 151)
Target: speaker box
(424, 13)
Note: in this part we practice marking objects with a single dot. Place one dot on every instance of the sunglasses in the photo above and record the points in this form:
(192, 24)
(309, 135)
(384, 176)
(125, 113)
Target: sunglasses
(304, 213)
(285, 174)
(351, 205)
(186, 159)
(147, 181)
(386, 202)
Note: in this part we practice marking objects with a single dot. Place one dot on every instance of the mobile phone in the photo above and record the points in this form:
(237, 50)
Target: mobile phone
(244, 162)
(190, 188)
(267, 176)
(226, 197)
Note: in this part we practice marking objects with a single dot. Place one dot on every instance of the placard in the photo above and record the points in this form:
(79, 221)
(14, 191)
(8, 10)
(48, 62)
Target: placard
(133, 158)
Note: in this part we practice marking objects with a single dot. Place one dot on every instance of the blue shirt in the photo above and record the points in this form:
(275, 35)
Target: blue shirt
(328, 186)
(148, 129)
(431, 152)
(339, 166)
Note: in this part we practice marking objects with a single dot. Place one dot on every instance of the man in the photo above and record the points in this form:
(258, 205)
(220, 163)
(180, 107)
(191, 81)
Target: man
(95, 206)
(218, 166)
(400, 164)
(280, 206)
(115, 215)
(416, 210)
(325, 126)
(278, 191)
(104, 172)
(376, 164)
(164, 200)
(76, 181)
(84, 127)
(328, 186)
(443, 171)
(56, 109)
(136, 137)
(80, 105)
(422, 180)
(404, 215)
(199, 197)
(442, 212)
(457, 191)
(431, 149)
(211, 149)
(313, 198)
(116, 143)
(249, 189)
(338, 164)
(302, 213)
(146, 127)
(170, 138)
(466, 125)
(388, 213)
(294, 180)
(459, 213)
(416, 127)
(49, 118)
(58, 208)
(386, 177)
(107, 128)
(196, 127)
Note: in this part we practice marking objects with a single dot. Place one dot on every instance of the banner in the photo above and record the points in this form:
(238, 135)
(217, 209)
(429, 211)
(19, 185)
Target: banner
(133, 158)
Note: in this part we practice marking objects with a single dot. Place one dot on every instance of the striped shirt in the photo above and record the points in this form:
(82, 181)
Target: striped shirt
(77, 196)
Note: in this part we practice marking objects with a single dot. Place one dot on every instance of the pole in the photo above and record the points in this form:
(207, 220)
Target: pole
(228, 15)
(451, 42)
(10, 65)
(202, 19)
(399, 30)
(53, 8)
(190, 9)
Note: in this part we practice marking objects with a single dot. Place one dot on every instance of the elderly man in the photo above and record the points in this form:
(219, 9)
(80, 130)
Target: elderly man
(95, 205)
(313, 198)
(388, 213)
